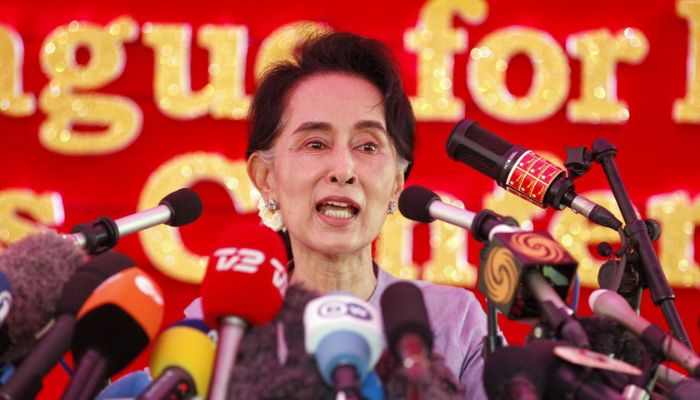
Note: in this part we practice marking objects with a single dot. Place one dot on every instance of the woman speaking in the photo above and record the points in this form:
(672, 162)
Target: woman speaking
(331, 144)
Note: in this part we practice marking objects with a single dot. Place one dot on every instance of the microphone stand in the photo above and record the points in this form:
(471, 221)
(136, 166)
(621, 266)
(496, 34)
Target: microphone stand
(603, 152)
(493, 340)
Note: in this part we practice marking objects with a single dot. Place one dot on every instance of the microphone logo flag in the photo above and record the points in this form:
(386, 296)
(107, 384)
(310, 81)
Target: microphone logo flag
(5, 304)
(337, 309)
(248, 261)
(239, 259)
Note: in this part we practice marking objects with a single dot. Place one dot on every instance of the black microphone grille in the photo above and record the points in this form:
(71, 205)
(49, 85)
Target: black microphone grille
(403, 311)
(414, 203)
(185, 206)
(475, 146)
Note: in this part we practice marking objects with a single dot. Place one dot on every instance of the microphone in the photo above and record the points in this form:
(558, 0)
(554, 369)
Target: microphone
(537, 371)
(407, 328)
(114, 326)
(182, 360)
(51, 347)
(512, 372)
(513, 265)
(245, 283)
(127, 387)
(610, 304)
(37, 268)
(522, 172)
(345, 336)
(686, 389)
(176, 209)
(5, 297)
(423, 205)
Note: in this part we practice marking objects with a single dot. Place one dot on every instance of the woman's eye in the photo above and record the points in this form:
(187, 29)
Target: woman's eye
(368, 147)
(315, 144)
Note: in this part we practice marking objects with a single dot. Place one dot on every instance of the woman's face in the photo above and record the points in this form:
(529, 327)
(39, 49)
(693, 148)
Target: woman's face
(335, 169)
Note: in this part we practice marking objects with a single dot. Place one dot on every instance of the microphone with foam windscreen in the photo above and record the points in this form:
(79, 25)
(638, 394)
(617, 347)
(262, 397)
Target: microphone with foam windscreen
(53, 344)
(245, 283)
(114, 326)
(176, 209)
(37, 268)
(610, 304)
(522, 172)
(181, 362)
(408, 331)
(344, 334)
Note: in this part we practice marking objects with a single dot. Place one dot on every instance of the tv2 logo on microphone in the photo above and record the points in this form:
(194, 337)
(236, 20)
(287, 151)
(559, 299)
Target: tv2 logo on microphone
(248, 261)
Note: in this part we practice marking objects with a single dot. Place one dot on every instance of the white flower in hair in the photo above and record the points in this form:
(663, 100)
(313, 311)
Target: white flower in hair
(270, 215)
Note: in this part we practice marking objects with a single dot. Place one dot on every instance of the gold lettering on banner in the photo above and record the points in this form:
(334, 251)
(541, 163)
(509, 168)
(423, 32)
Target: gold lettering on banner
(65, 108)
(279, 45)
(173, 92)
(12, 100)
(600, 52)
(448, 244)
(575, 233)
(687, 110)
(228, 48)
(162, 244)
(435, 41)
(394, 247)
(678, 216)
(224, 95)
(487, 74)
(45, 208)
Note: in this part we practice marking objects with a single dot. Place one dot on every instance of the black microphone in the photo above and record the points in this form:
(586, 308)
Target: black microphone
(176, 209)
(37, 267)
(407, 327)
(115, 324)
(522, 172)
(50, 348)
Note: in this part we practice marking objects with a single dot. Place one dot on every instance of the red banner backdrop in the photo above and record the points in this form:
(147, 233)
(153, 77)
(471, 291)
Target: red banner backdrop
(106, 107)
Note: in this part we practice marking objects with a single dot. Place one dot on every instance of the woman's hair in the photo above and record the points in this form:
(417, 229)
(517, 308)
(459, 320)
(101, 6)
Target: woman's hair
(326, 53)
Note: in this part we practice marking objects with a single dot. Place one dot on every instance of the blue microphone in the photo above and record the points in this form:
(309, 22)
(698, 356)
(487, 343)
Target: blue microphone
(345, 336)
(127, 387)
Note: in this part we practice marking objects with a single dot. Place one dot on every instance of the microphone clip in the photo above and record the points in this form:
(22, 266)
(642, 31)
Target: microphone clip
(100, 236)
(578, 161)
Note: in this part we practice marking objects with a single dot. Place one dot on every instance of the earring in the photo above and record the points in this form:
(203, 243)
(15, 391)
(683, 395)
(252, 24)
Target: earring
(269, 214)
(272, 205)
(392, 207)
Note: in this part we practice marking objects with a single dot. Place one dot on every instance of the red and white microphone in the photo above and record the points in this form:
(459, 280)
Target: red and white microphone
(245, 283)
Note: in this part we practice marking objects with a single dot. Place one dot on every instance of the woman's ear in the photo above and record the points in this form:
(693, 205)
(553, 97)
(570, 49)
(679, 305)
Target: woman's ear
(398, 184)
(260, 173)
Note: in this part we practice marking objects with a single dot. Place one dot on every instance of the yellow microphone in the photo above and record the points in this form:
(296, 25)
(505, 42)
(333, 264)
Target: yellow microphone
(182, 361)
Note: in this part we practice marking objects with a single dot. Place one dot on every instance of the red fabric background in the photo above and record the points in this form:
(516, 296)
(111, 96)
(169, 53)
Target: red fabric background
(656, 155)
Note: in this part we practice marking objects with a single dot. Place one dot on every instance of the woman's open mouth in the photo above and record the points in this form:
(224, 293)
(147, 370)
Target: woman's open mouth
(337, 209)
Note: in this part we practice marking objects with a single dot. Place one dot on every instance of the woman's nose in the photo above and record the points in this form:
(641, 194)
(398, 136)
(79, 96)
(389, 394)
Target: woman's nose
(343, 168)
